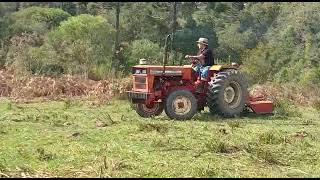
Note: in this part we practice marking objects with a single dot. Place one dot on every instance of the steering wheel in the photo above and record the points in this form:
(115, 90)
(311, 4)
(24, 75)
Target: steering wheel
(194, 64)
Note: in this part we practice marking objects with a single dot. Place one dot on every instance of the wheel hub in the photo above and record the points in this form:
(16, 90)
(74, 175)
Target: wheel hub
(232, 94)
(150, 108)
(181, 105)
(229, 94)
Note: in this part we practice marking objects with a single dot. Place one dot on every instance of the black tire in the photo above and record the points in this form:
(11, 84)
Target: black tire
(146, 112)
(230, 105)
(182, 98)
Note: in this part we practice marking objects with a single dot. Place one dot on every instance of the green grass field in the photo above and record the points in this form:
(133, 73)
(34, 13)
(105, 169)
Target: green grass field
(76, 139)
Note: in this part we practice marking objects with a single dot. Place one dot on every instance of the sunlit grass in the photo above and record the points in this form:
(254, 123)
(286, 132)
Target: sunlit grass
(74, 139)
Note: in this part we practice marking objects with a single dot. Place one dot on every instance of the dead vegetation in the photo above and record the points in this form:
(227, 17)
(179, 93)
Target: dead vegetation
(26, 88)
(292, 93)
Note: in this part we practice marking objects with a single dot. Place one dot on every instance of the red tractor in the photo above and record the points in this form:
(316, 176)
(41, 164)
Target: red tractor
(172, 88)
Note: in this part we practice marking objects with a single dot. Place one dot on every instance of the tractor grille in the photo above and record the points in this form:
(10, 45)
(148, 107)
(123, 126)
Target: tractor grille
(140, 82)
(137, 95)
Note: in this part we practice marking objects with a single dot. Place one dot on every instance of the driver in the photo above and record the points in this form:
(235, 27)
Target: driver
(205, 58)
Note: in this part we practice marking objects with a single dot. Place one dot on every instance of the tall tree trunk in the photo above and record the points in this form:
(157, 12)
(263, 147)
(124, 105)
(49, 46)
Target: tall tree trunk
(18, 6)
(116, 62)
(173, 27)
(174, 17)
(117, 26)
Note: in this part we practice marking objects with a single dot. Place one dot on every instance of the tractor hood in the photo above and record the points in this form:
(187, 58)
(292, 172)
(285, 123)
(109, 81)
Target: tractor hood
(158, 69)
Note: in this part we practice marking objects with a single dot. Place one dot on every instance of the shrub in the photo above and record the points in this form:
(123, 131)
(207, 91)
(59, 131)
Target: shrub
(81, 42)
(284, 108)
(97, 72)
(311, 78)
(258, 64)
(144, 49)
(36, 19)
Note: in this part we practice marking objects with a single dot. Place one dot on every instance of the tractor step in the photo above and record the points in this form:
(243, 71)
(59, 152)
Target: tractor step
(261, 107)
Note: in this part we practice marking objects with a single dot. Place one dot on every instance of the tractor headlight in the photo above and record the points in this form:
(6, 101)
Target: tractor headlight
(137, 71)
(140, 71)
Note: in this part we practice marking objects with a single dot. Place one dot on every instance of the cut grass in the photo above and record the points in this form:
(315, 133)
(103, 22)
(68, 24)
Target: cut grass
(62, 139)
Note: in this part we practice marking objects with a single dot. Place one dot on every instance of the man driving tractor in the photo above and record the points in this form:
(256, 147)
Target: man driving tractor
(202, 62)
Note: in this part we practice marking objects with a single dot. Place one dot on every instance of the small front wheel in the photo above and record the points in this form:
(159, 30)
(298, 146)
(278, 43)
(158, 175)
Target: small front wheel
(147, 111)
(181, 105)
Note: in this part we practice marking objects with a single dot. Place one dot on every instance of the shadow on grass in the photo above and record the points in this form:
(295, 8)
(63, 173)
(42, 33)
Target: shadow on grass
(252, 115)
(208, 117)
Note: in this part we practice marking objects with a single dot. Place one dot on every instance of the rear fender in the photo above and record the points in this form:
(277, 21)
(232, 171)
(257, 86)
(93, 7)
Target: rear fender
(221, 67)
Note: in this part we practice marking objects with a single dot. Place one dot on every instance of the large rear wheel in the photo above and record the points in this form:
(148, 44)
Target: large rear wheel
(181, 105)
(147, 111)
(227, 93)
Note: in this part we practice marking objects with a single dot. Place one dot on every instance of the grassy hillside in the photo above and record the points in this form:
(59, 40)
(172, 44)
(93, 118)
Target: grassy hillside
(78, 139)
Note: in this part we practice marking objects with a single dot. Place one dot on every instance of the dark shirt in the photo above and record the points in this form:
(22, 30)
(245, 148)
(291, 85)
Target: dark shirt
(208, 56)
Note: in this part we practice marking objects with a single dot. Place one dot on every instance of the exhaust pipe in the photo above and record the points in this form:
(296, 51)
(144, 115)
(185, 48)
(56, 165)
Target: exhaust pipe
(165, 58)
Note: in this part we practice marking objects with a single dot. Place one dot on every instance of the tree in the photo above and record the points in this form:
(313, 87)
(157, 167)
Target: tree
(145, 20)
(36, 20)
(146, 49)
(83, 41)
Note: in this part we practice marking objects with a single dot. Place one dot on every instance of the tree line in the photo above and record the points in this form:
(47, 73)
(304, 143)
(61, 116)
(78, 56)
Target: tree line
(274, 41)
